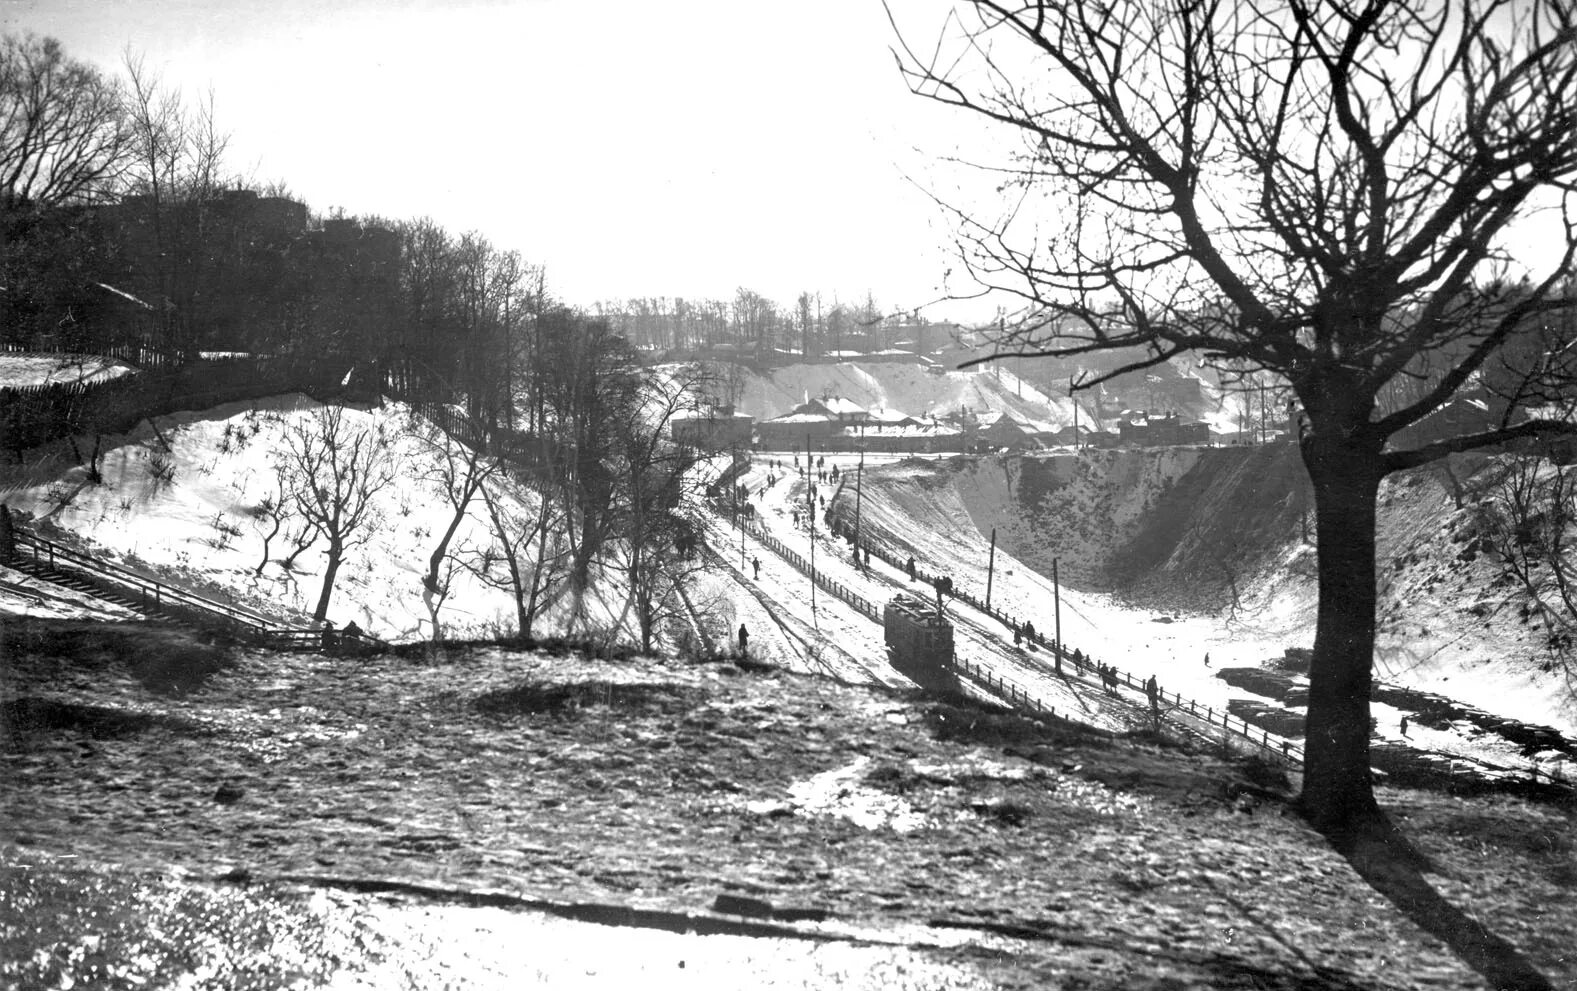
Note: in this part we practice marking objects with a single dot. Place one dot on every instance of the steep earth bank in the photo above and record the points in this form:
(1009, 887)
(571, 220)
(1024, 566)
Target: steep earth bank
(1221, 531)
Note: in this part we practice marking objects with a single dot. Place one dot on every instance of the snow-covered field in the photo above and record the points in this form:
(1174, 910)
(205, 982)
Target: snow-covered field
(46, 369)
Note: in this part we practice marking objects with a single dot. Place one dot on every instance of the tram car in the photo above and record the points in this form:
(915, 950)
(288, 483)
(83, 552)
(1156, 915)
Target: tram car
(920, 642)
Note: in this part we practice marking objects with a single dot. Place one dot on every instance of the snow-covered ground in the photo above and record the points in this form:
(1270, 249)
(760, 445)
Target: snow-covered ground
(201, 528)
(46, 369)
(938, 526)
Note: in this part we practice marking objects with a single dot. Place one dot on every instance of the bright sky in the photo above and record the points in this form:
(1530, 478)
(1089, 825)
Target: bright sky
(634, 147)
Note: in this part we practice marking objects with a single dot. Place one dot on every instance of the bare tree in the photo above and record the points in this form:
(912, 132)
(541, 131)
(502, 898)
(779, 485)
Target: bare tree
(660, 498)
(270, 515)
(1325, 191)
(529, 555)
(63, 131)
(589, 391)
(458, 470)
(1526, 514)
(336, 470)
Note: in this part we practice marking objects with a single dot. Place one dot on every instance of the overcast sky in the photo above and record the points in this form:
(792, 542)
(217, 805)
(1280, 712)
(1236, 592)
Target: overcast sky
(634, 147)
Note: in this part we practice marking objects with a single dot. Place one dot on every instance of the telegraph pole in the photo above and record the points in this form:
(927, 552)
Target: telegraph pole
(991, 567)
(859, 491)
(1262, 424)
(1075, 402)
(1056, 598)
(810, 489)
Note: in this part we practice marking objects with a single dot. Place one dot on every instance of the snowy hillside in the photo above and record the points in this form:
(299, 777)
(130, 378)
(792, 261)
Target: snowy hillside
(190, 513)
(908, 388)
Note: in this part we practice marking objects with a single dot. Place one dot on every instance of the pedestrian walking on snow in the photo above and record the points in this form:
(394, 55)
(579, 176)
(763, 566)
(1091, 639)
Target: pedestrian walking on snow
(744, 640)
(757, 562)
(1404, 725)
(1207, 658)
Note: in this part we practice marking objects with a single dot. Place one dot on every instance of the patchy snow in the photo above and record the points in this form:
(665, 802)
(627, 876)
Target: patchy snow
(198, 528)
(841, 792)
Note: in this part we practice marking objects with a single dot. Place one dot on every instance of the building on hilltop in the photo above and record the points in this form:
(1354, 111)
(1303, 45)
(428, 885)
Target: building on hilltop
(1004, 431)
(844, 411)
(791, 430)
(240, 271)
(717, 429)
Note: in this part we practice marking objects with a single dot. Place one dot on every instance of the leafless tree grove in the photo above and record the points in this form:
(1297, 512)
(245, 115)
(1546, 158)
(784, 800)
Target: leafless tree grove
(64, 137)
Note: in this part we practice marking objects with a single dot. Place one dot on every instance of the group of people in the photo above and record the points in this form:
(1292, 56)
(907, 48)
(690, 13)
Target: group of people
(1024, 631)
(346, 641)
(1108, 676)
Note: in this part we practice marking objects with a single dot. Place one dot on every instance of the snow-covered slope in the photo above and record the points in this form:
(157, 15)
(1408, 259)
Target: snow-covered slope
(908, 388)
(199, 527)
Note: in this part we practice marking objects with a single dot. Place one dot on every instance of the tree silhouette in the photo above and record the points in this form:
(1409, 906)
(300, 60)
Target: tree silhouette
(1326, 191)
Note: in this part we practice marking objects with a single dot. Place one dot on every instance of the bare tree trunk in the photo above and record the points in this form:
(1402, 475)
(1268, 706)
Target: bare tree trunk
(1338, 795)
(336, 554)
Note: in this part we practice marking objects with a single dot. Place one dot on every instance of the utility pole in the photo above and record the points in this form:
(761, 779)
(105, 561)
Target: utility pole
(991, 567)
(1056, 598)
(1262, 425)
(859, 492)
(810, 489)
(1075, 402)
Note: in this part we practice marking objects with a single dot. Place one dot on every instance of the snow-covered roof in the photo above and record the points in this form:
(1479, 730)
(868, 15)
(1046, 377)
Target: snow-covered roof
(788, 418)
(839, 406)
(885, 416)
